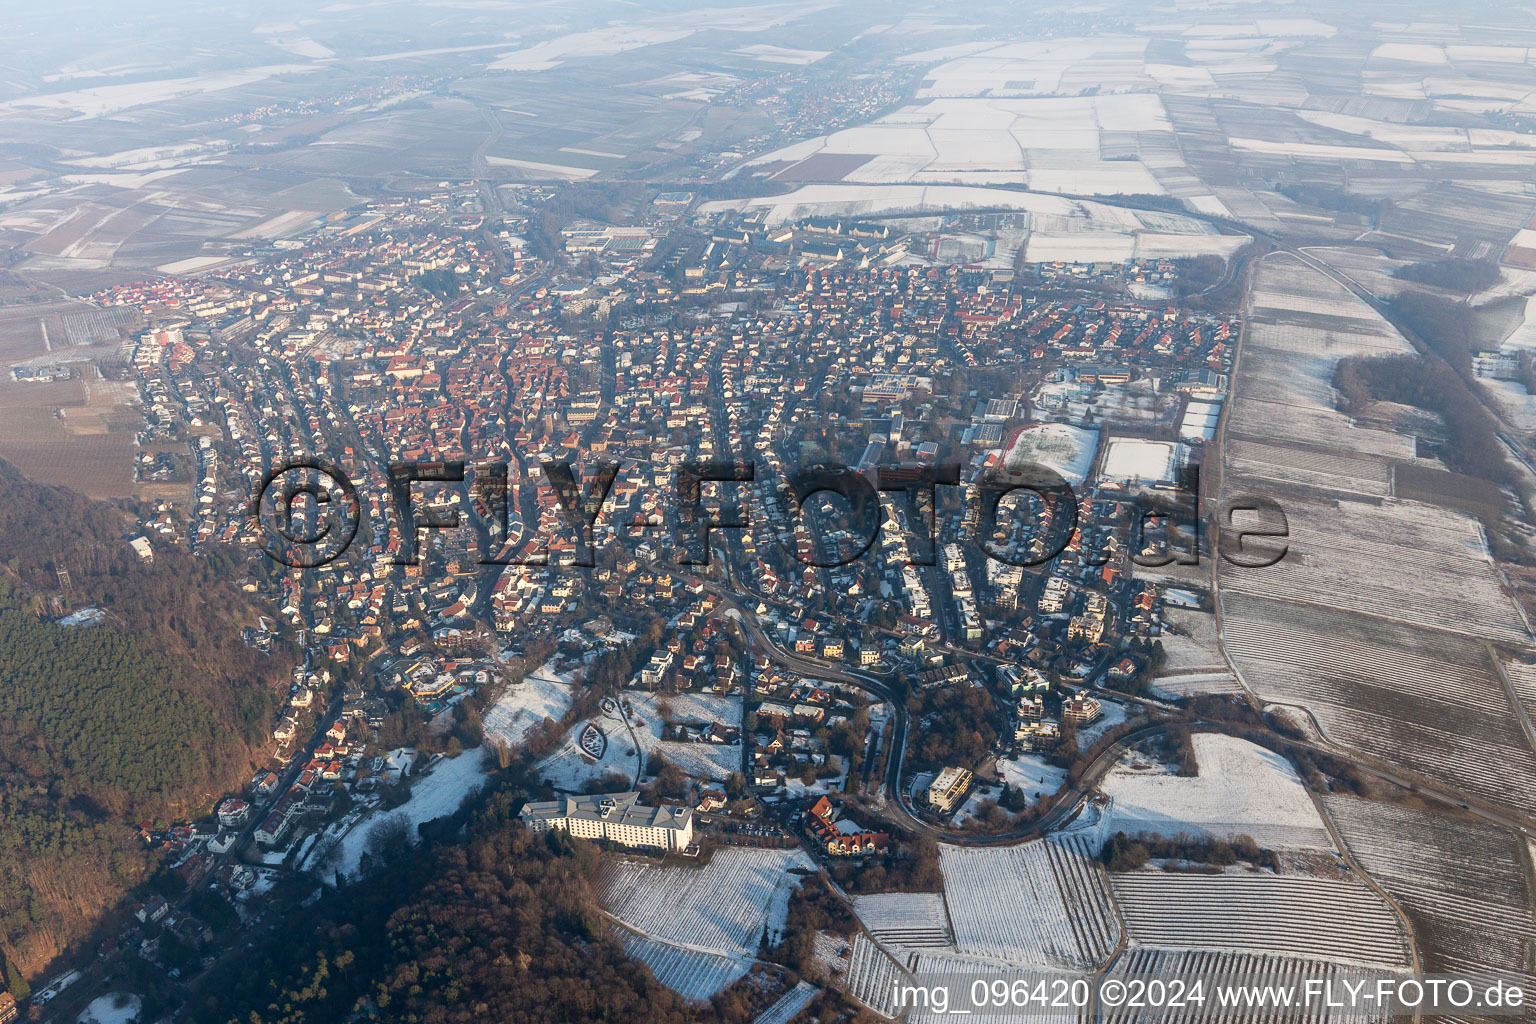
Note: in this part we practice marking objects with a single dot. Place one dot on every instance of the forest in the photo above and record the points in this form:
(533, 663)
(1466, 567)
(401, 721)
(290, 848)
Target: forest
(147, 716)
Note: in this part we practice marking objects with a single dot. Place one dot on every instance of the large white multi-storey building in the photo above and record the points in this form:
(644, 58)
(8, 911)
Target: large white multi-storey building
(617, 817)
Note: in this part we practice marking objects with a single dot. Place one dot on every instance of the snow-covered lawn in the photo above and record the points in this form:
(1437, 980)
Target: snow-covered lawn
(105, 1009)
(1031, 774)
(436, 793)
(569, 768)
(1242, 789)
(542, 694)
(1114, 714)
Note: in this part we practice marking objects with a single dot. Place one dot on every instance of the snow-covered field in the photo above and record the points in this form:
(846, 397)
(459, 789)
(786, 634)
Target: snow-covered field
(1250, 968)
(569, 768)
(1067, 450)
(872, 976)
(722, 907)
(691, 973)
(906, 919)
(542, 694)
(1043, 903)
(1139, 461)
(1242, 789)
(1261, 913)
(1466, 883)
(789, 1006)
(435, 794)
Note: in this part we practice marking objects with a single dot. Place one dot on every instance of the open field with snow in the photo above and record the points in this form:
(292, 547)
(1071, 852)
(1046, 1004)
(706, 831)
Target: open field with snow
(569, 767)
(1261, 913)
(722, 907)
(1374, 622)
(1031, 774)
(1043, 903)
(541, 695)
(1242, 789)
(1464, 884)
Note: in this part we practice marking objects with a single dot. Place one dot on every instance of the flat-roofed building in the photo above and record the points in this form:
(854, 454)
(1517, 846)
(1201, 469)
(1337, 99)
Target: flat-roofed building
(617, 817)
(948, 789)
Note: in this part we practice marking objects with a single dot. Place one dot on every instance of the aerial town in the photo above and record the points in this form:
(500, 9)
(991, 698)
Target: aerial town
(880, 501)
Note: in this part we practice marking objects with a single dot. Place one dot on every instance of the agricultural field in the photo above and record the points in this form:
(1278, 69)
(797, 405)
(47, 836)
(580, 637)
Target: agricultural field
(1373, 624)
(1261, 913)
(1432, 702)
(871, 976)
(1465, 885)
(906, 919)
(76, 433)
(691, 973)
(1242, 789)
(724, 907)
(1070, 921)
(790, 1005)
(1060, 227)
(1232, 968)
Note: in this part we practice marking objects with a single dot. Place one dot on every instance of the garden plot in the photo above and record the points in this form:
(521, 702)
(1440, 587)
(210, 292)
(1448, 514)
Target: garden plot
(690, 973)
(906, 919)
(722, 907)
(542, 695)
(1242, 789)
(1043, 903)
(1430, 701)
(1464, 884)
(1230, 968)
(1263, 913)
